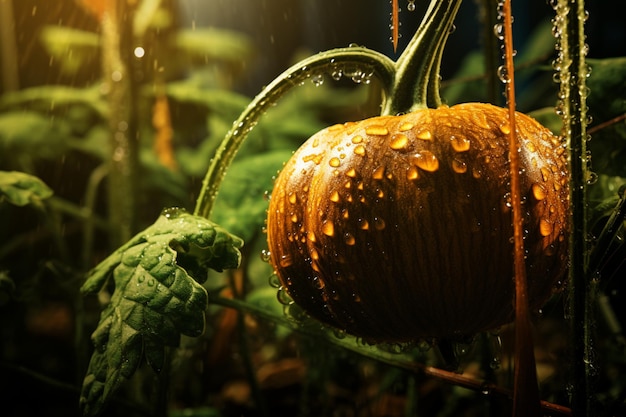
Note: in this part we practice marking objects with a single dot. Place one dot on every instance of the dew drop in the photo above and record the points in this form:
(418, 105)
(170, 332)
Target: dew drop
(265, 255)
(311, 236)
(545, 227)
(334, 162)
(412, 173)
(379, 173)
(411, 6)
(283, 297)
(539, 192)
(274, 281)
(285, 261)
(379, 223)
(424, 135)
(503, 75)
(317, 79)
(545, 173)
(377, 130)
(328, 228)
(459, 143)
(292, 198)
(399, 142)
(505, 128)
(364, 224)
(405, 127)
(426, 160)
(334, 197)
(349, 239)
(357, 139)
(458, 166)
(360, 150)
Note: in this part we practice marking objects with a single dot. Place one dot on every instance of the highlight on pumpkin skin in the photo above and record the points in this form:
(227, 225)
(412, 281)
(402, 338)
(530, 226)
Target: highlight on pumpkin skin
(415, 210)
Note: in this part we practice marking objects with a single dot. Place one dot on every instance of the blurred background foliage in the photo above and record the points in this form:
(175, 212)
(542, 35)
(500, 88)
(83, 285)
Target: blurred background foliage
(198, 66)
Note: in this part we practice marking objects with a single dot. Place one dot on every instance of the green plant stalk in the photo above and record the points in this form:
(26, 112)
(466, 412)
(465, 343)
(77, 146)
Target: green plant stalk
(122, 101)
(573, 72)
(409, 84)
(491, 48)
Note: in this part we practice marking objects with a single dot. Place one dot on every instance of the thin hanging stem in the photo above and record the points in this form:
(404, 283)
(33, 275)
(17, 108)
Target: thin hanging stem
(526, 392)
(366, 61)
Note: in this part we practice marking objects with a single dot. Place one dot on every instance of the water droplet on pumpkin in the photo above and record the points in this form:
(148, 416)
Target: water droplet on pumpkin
(399, 142)
(379, 223)
(328, 228)
(460, 143)
(424, 135)
(359, 150)
(377, 130)
(334, 197)
(545, 227)
(334, 162)
(406, 126)
(539, 192)
(458, 166)
(426, 160)
(285, 261)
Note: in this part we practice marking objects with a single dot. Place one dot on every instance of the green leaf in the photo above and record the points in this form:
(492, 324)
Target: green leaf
(73, 48)
(607, 85)
(157, 297)
(31, 134)
(22, 189)
(240, 205)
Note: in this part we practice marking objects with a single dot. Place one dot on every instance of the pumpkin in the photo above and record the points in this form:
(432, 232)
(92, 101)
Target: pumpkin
(398, 228)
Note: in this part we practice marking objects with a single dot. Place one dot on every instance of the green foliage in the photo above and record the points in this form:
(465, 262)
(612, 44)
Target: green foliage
(157, 297)
(22, 189)
(73, 48)
(607, 89)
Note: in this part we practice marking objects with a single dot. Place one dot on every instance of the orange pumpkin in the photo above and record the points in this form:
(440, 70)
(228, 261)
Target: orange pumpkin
(398, 228)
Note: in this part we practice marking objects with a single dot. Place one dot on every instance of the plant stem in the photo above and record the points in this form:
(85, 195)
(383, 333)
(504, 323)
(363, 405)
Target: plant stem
(122, 100)
(570, 16)
(416, 84)
(364, 61)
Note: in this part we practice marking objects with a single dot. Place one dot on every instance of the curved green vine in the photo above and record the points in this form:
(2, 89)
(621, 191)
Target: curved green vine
(408, 84)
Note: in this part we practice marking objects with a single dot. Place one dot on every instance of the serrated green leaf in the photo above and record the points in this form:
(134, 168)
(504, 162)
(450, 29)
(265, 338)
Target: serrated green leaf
(157, 298)
(21, 189)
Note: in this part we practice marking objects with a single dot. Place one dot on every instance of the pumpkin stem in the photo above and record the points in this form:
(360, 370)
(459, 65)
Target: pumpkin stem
(365, 61)
(416, 84)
